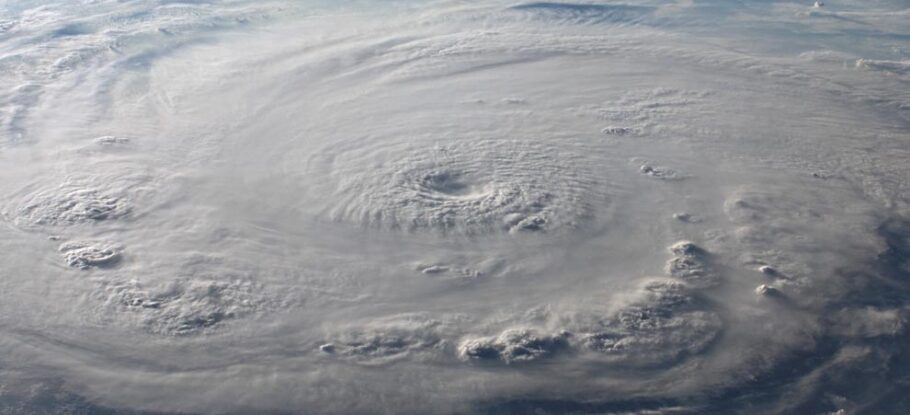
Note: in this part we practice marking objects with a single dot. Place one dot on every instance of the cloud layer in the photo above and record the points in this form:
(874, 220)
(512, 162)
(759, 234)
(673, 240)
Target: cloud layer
(454, 207)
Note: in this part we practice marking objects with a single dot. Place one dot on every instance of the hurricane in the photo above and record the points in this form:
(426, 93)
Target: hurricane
(454, 207)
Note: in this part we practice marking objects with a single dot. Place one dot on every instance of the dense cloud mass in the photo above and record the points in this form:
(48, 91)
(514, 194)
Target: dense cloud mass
(454, 206)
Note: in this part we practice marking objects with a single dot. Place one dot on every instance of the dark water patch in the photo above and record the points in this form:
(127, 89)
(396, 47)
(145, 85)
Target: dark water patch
(71, 30)
(529, 405)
